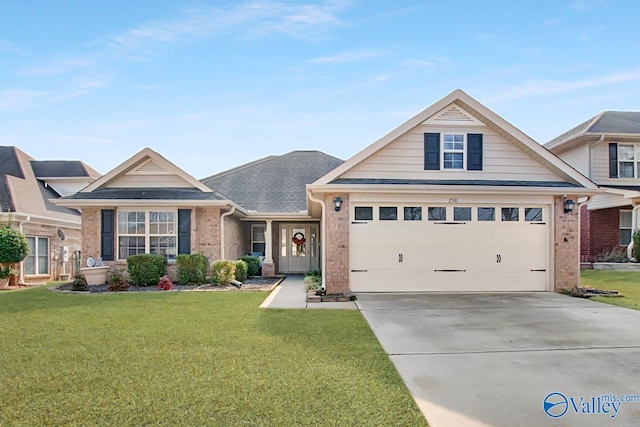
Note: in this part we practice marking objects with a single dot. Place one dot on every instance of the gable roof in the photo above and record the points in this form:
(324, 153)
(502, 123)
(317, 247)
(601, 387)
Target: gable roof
(274, 183)
(607, 122)
(488, 118)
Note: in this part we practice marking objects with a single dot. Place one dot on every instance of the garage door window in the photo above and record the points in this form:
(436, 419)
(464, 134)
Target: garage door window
(437, 214)
(533, 214)
(364, 213)
(486, 214)
(510, 214)
(388, 213)
(461, 214)
(412, 213)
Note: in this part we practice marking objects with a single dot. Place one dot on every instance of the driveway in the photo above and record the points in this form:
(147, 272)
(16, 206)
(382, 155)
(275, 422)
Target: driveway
(493, 359)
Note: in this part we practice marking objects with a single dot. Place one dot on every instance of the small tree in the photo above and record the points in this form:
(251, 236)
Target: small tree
(636, 245)
(13, 248)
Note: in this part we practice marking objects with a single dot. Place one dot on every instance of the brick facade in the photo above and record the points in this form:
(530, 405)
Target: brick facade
(337, 245)
(599, 232)
(236, 238)
(566, 246)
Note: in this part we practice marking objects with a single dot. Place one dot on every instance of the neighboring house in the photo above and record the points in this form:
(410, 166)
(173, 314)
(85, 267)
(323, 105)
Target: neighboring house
(27, 187)
(455, 199)
(148, 204)
(606, 149)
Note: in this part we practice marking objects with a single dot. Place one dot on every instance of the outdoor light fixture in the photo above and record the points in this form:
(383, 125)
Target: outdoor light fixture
(338, 203)
(568, 205)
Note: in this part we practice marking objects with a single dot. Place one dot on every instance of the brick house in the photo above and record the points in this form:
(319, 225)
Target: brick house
(606, 149)
(27, 187)
(454, 199)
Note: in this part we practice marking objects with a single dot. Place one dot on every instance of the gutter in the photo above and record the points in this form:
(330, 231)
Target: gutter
(222, 217)
(323, 233)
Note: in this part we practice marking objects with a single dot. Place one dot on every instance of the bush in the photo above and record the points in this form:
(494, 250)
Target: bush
(79, 283)
(253, 264)
(13, 246)
(313, 280)
(636, 245)
(223, 272)
(241, 270)
(146, 269)
(165, 284)
(192, 269)
(614, 255)
(6, 272)
(117, 280)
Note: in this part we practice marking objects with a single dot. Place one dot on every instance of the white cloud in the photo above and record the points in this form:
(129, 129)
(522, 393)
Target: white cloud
(586, 5)
(79, 86)
(78, 139)
(59, 67)
(17, 99)
(347, 57)
(7, 46)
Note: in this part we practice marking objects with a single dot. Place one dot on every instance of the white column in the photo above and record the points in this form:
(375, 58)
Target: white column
(268, 250)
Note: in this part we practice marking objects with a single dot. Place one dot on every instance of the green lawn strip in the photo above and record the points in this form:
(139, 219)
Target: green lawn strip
(191, 358)
(625, 282)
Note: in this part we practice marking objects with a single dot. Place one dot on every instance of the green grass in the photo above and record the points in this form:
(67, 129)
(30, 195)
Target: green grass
(625, 282)
(191, 359)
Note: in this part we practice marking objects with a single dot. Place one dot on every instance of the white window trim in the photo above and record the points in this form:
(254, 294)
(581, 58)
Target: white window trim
(37, 256)
(463, 152)
(635, 161)
(620, 227)
(147, 234)
(264, 235)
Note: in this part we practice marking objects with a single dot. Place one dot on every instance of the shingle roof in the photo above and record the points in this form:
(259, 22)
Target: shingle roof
(274, 183)
(615, 122)
(146, 194)
(62, 169)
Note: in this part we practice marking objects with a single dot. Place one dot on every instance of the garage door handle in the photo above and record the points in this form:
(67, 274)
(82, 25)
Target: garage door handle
(449, 271)
(498, 258)
(540, 269)
(400, 258)
(359, 271)
(359, 222)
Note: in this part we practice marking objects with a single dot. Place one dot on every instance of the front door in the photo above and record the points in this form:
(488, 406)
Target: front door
(298, 248)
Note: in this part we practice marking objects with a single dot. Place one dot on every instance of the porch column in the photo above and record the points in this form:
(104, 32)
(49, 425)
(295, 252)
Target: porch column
(268, 267)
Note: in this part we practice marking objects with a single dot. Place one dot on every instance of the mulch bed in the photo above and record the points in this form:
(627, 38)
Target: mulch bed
(251, 284)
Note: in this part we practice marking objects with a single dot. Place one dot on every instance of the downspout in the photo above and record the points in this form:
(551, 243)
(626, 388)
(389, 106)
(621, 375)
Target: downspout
(323, 226)
(222, 217)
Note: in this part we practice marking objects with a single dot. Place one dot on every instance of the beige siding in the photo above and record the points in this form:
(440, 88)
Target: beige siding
(404, 159)
(603, 201)
(149, 181)
(577, 158)
(600, 154)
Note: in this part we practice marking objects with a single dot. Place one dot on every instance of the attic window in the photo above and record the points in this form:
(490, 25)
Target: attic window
(453, 151)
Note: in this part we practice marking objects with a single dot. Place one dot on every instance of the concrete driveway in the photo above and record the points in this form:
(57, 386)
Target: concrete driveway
(494, 359)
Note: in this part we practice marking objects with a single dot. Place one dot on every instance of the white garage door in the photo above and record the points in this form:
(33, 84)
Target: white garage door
(396, 247)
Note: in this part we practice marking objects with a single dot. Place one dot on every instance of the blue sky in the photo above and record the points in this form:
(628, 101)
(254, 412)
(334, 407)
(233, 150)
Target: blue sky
(211, 85)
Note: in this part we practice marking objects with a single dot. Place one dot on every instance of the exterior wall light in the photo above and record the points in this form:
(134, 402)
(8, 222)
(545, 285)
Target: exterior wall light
(338, 203)
(568, 205)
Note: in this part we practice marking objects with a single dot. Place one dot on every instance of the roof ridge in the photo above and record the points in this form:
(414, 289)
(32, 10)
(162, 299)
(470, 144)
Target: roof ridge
(239, 167)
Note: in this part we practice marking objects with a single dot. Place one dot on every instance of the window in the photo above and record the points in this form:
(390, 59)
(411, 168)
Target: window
(533, 214)
(625, 227)
(258, 243)
(628, 161)
(461, 214)
(283, 242)
(510, 214)
(437, 214)
(412, 213)
(37, 262)
(453, 151)
(151, 232)
(364, 213)
(388, 213)
(486, 214)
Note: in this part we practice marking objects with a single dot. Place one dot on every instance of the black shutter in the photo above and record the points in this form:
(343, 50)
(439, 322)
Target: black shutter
(613, 160)
(474, 152)
(184, 231)
(107, 234)
(432, 151)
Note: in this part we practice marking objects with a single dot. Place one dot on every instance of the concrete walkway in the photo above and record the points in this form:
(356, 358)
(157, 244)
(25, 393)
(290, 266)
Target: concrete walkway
(291, 294)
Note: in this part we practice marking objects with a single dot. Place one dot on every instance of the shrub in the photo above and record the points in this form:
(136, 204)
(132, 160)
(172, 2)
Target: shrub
(146, 269)
(117, 280)
(165, 284)
(241, 270)
(6, 272)
(313, 280)
(614, 255)
(636, 245)
(253, 264)
(13, 246)
(223, 272)
(79, 283)
(192, 269)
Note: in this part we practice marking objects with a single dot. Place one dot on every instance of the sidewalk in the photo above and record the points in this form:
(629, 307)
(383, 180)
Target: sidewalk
(291, 294)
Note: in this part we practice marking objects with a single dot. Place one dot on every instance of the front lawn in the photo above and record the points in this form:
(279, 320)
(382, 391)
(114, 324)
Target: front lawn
(187, 359)
(625, 282)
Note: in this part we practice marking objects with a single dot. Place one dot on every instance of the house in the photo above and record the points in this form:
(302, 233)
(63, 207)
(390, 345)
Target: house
(27, 187)
(606, 149)
(454, 199)
(148, 204)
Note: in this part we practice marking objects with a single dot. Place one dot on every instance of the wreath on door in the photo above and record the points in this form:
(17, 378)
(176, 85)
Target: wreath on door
(298, 239)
